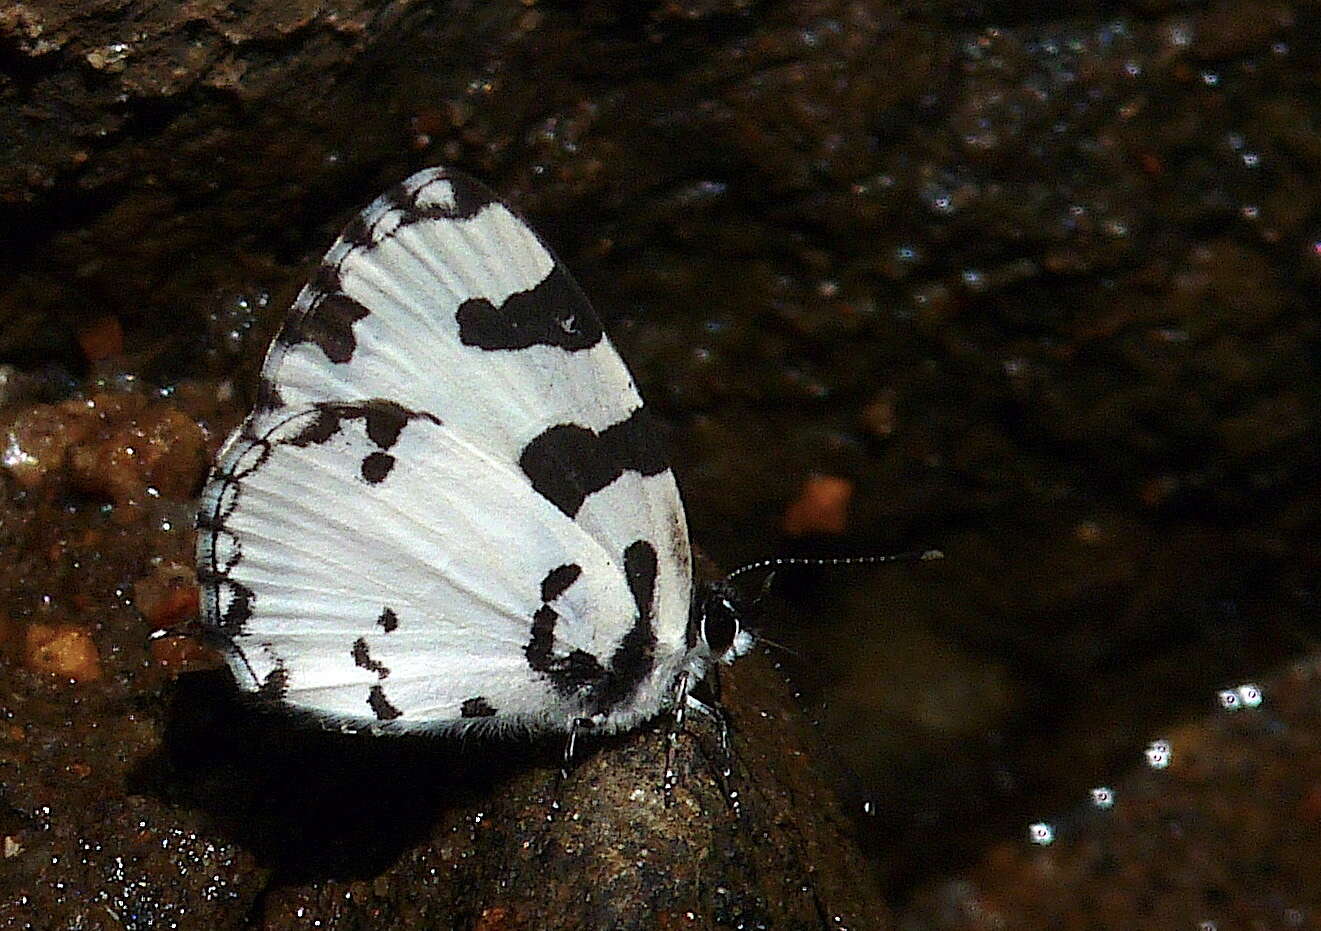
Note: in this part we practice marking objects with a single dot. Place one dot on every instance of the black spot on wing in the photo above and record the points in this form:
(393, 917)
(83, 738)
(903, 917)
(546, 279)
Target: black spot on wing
(229, 616)
(575, 672)
(552, 313)
(323, 425)
(388, 620)
(539, 647)
(543, 638)
(275, 685)
(328, 323)
(268, 396)
(228, 602)
(402, 198)
(579, 672)
(325, 280)
(640, 570)
(358, 232)
(362, 658)
(559, 579)
(568, 462)
(239, 610)
(381, 706)
(476, 708)
(635, 656)
(376, 467)
(468, 198)
(383, 421)
(414, 200)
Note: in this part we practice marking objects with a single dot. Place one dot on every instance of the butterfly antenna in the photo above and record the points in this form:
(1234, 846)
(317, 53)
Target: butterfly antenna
(758, 638)
(780, 562)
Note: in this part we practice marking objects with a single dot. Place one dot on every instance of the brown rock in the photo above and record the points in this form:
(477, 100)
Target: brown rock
(36, 440)
(184, 654)
(63, 650)
(168, 595)
(822, 506)
(101, 338)
(160, 448)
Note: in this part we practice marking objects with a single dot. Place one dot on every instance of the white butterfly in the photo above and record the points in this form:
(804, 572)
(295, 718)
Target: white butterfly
(448, 508)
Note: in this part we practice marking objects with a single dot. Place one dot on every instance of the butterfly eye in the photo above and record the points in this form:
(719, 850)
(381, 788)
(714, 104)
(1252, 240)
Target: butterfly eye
(720, 626)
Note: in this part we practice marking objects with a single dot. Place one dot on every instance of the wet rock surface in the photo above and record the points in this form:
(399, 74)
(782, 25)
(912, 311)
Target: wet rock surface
(1224, 837)
(1034, 289)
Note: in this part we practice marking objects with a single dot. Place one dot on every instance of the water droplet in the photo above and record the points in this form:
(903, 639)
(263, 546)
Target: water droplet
(1250, 695)
(1158, 754)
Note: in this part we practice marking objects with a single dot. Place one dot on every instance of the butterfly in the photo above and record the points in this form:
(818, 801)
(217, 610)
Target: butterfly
(449, 509)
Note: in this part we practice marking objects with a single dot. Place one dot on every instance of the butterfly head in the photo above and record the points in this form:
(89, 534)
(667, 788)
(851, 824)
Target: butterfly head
(716, 624)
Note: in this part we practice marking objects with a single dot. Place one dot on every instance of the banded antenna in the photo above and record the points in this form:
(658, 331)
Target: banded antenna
(782, 561)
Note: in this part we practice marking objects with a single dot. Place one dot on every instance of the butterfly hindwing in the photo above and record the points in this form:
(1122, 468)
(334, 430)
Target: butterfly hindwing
(448, 506)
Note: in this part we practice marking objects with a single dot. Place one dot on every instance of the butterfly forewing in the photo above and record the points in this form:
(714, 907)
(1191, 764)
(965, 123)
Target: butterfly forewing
(448, 505)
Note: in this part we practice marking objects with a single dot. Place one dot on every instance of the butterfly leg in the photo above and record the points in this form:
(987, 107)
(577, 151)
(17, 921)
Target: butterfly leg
(576, 725)
(681, 687)
(686, 697)
(705, 698)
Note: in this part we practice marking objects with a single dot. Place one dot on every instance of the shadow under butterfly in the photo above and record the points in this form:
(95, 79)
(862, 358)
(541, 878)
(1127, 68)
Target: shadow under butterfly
(313, 804)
